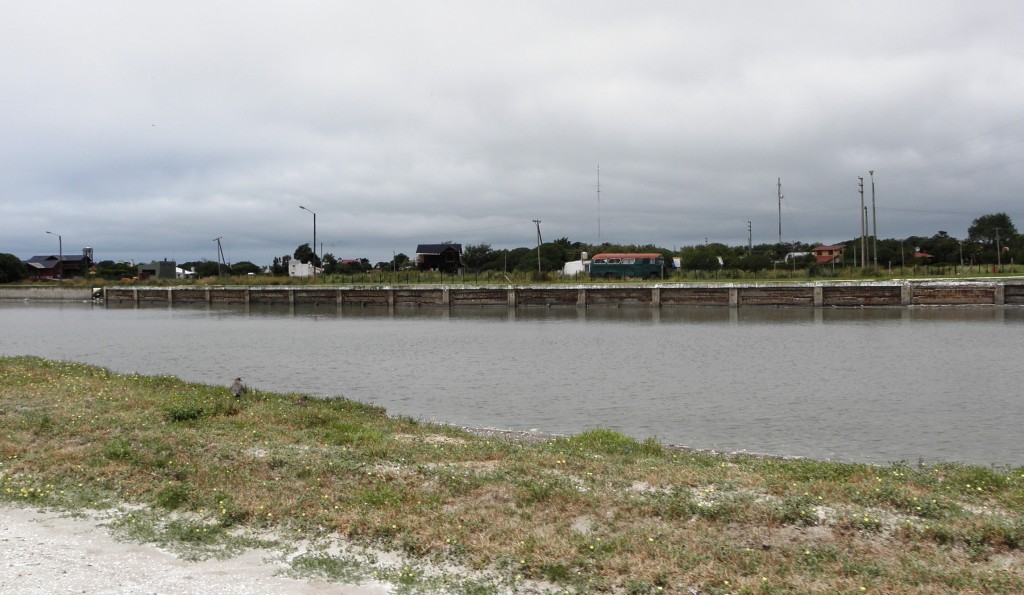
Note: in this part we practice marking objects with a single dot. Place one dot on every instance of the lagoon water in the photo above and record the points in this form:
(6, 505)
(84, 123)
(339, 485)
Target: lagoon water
(864, 385)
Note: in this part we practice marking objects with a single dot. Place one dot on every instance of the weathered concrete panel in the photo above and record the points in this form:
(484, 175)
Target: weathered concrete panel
(526, 296)
(270, 296)
(227, 295)
(189, 295)
(695, 296)
(776, 296)
(478, 297)
(615, 296)
(114, 294)
(148, 295)
(859, 295)
(419, 297)
(952, 296)
(316, 296)
(366, 297)
(1013, 294)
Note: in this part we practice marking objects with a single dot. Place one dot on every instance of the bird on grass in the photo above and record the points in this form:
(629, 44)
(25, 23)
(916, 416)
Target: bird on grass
(238, 389)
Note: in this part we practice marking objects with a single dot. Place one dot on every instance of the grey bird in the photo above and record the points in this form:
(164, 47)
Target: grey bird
(237, 388)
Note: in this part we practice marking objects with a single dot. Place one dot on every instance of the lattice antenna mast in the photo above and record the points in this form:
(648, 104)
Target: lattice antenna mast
(780, 209)
(599, 204)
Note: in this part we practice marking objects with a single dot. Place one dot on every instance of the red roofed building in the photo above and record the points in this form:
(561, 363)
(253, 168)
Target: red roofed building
(828, 254)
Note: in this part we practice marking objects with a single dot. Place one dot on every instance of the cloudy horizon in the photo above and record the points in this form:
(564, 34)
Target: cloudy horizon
(146, 130)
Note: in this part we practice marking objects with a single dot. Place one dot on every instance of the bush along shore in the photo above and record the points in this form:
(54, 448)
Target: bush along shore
(429, 508)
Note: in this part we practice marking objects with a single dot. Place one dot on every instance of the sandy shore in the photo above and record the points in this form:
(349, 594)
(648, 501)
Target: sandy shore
(47, 552)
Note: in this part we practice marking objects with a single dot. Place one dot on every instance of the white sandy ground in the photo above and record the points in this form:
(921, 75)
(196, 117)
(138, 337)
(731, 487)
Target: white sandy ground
(47, 552)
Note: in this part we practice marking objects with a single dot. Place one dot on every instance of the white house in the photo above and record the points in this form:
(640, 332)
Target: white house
(301, 269)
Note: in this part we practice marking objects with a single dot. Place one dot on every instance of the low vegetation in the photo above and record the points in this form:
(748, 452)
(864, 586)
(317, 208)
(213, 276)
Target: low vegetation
(432, 508)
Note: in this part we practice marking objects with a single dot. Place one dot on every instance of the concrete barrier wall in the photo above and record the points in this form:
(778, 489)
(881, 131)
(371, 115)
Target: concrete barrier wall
(55, 293)
(838, 294)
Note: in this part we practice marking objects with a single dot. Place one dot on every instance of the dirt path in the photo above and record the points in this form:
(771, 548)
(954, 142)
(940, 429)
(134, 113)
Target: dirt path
(45, 552)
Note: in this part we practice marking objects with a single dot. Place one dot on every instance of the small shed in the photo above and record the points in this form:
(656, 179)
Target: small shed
(158, 269)
(446, 258)
(297, 268)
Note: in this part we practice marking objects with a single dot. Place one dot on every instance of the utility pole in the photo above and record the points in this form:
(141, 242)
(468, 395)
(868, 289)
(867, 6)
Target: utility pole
(780, 209)
(999, 252)
(221, 264)
(539, 242)
(874, 219)
(863, 225)
(750, 239)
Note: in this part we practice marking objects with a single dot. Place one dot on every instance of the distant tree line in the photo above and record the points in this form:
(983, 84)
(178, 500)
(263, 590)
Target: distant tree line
(991, 239)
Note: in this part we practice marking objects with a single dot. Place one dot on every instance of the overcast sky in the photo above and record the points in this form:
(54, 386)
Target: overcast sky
(147, 129)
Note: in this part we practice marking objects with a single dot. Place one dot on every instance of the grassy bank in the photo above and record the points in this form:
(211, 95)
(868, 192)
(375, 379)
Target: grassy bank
(188, 466)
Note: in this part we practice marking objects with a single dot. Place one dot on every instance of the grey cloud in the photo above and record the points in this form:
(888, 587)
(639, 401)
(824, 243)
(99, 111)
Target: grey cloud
(148, 129)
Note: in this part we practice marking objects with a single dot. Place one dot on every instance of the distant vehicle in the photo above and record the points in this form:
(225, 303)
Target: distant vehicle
(650, 265)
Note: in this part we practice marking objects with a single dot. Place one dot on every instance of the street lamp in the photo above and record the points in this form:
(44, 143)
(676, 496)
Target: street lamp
(314, 237)
(60, 255)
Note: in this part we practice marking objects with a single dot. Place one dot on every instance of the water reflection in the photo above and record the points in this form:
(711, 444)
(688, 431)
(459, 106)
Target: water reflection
(626, 314)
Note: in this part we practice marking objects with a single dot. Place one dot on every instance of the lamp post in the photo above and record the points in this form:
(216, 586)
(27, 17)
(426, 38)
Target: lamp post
(60, 255)
(314, 238)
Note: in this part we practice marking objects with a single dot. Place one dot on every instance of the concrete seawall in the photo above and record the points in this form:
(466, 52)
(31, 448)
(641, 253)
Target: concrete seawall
(995, 292)
(45, 293)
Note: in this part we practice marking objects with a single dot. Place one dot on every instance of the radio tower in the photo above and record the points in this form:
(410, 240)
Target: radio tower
(780, 210)
(598, 204)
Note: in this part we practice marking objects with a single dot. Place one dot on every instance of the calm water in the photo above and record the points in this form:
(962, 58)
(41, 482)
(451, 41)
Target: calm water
(869, 385)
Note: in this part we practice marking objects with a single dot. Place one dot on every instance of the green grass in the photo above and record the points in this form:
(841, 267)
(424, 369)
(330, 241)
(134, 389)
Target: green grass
(189, 467)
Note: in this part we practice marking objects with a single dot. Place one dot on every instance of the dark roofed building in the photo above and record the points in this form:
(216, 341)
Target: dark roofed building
(54, 267)
(446, 258)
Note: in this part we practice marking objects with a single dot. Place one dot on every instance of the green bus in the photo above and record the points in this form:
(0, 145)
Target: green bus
(648, 265)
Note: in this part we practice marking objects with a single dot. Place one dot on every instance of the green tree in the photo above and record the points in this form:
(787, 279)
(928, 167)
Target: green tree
(11, 268)
(203, 268)
(279, 267)
(753, 262)
(550, 259)
(512, 257)
(710, 257)
(397, 263)
(108, 269)
(244, 268)
(992, 231)
(330, 264)
(989, 228)
(476, 255)
(305, 255)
